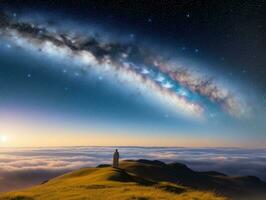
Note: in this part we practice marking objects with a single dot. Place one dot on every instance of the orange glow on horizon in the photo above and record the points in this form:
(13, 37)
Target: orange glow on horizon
(25, 133)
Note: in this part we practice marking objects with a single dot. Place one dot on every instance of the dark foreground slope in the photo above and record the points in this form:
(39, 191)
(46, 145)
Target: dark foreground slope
(144, 180)
(238, 187)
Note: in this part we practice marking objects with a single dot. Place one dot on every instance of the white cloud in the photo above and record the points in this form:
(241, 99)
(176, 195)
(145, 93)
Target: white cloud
(25, 167)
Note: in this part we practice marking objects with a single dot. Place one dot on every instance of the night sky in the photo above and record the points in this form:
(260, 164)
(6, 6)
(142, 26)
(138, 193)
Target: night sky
(152, 73)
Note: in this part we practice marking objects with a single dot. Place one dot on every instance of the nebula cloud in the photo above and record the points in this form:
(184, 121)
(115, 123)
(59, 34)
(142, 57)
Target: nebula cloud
(176, 87)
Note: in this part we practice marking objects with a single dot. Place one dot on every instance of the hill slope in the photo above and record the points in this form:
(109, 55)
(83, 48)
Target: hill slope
(141, 180)
(243, 187)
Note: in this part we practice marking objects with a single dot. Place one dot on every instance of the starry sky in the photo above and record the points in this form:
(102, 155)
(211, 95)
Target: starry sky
(167, 73)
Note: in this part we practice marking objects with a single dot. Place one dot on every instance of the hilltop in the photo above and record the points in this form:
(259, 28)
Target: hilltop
(143, 180)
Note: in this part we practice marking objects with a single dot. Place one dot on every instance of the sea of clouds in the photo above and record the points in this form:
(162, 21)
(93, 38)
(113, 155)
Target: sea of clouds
(23, 167)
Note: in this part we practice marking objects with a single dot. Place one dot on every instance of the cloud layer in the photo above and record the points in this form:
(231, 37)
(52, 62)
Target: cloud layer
(23, 167)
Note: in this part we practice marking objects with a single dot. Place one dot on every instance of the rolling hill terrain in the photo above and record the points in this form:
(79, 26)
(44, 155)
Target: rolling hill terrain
(143, 180)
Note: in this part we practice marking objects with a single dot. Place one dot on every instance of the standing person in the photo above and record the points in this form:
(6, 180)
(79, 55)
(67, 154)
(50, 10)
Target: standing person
(116, 159)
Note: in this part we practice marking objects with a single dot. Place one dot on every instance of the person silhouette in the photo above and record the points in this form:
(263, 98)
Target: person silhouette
(116, 159)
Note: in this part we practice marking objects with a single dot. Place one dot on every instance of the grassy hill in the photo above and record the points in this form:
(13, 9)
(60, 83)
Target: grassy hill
(135, 180)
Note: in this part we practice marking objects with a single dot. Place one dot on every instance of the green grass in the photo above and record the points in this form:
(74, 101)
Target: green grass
(108, 184)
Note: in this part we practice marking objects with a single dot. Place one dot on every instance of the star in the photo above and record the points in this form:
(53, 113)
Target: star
(167, 85)
(188, 15)
(29, 75)
(184, 48)
(212, 115)
(132, 35)
(182, 92)
(40, 32)
(264, 97)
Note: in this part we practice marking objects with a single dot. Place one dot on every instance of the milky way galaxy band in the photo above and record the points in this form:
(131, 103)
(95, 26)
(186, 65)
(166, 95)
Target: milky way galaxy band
(177, 87)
